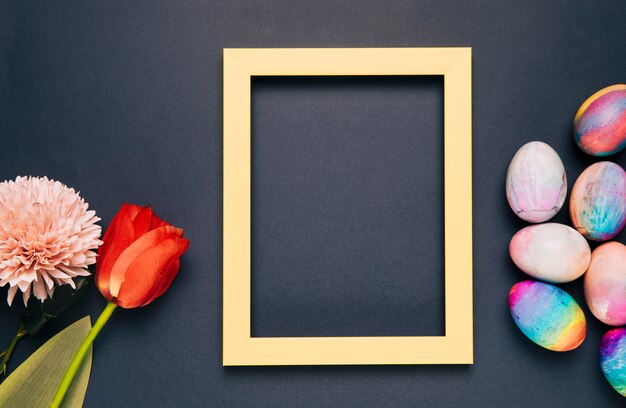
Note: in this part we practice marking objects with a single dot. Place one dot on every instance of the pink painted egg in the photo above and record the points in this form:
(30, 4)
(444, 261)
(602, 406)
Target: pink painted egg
(600, 123)
(605, 283)
(550, 252)
(536, 184)
(598, 201)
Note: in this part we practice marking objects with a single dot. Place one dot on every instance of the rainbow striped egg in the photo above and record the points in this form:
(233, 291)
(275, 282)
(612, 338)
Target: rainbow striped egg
(600, 123)
(597, 204)
(547, 315)
(613, 358)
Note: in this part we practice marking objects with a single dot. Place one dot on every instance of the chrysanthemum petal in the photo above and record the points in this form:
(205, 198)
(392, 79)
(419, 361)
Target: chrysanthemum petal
(11, 295)
(44, 226)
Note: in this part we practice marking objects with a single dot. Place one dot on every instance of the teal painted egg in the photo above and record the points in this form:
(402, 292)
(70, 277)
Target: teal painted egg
(598, 201)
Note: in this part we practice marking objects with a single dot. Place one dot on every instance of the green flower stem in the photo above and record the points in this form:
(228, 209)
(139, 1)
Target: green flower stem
(66, 382)
(21, 332)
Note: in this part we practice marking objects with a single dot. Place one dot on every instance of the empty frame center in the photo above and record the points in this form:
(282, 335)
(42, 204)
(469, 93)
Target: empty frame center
(347, 206)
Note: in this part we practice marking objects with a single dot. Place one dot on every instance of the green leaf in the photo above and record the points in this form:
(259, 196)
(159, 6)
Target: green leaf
(34, 383)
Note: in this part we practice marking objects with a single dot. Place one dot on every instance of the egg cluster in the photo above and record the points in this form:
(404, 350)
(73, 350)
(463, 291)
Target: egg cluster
(552, 253)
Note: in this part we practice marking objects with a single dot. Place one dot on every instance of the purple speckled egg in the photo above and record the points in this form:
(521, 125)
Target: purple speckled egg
(536, 184)
(613, 358)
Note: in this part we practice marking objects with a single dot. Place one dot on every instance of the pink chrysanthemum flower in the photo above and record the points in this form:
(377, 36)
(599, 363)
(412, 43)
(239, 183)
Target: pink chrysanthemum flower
(47, 236)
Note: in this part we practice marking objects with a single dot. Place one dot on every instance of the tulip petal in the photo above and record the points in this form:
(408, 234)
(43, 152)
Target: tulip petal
(142, 244)
(156, 222)
(141, 222)
(151, 273)
(107, 235)
(118, 237)
(167, 278)
(132, 210)
(145, 220)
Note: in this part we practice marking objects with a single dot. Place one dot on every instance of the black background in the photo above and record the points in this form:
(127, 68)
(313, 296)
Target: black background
(123, 101)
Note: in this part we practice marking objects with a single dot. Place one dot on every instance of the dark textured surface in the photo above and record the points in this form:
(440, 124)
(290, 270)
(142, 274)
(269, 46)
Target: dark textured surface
(122, 100)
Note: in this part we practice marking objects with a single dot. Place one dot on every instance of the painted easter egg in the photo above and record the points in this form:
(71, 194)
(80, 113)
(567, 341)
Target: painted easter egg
(550, 252)
(600, 123)
(613, 358)
(535, 182)
(547, 315)
(598, 201)
(605, 283)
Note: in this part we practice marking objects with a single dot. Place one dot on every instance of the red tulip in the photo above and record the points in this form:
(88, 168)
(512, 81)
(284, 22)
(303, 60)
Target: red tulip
(139, 257)
(136, 264)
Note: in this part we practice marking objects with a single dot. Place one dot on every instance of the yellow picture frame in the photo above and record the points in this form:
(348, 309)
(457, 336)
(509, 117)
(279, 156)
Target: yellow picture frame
(456, 346)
